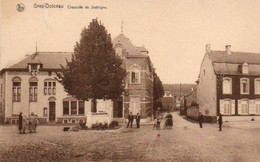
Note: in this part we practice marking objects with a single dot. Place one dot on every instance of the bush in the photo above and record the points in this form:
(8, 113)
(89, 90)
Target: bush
(100, 126)
(113, 124)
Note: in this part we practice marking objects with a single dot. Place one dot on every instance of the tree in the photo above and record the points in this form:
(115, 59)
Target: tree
(158, 92)
(95, 72)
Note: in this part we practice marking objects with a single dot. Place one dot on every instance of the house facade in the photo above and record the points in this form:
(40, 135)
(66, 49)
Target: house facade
(138, 96)
(229, 83)
(167, 101)
(30, 86)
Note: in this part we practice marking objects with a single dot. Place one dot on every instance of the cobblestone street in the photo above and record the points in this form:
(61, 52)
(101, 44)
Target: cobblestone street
(185, 142)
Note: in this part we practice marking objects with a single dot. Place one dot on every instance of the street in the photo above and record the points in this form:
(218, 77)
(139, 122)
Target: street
(185, 142)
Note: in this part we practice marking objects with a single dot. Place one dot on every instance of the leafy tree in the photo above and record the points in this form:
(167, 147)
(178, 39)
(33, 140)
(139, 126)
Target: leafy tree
(158, 92)
(95, 72)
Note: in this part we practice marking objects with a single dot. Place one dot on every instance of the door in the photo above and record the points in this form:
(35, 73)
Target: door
(135, 105)
(52, 113)
(118, 108)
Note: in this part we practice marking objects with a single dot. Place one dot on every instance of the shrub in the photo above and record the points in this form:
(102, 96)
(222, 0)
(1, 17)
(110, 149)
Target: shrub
(113, 124)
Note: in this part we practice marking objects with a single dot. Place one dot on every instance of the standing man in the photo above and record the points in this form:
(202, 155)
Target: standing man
(130, 120)
(200, 119)
(138, 118)
(220, 121)
(20, 122)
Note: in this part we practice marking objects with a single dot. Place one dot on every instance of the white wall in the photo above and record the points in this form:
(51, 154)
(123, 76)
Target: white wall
(207, 93)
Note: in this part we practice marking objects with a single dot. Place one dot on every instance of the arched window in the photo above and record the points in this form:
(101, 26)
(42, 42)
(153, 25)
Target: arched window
(257, 86)
(49, 87)
(33, 89)
(135, 74)
(227, 86)
(244, 86)
(16, 89)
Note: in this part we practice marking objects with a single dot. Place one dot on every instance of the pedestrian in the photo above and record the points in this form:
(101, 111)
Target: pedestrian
(138, 118)
(20, 122)
(220, 121)
(200, 119)
(130, 120)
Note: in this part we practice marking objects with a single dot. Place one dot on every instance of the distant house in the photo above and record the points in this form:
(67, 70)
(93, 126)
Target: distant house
(229, 83)
(167, 101)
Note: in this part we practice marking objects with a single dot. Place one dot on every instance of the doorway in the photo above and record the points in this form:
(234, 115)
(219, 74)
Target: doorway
(118, 107)
(52, 111)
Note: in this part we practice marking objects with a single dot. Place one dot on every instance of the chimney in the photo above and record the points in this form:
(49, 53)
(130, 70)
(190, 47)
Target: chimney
(208, 48)
(228, 49)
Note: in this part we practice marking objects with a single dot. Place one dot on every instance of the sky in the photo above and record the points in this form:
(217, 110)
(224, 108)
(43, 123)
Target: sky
(175, 32)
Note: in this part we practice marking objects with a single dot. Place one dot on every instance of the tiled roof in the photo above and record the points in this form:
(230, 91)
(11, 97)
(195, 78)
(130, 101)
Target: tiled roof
(127, 45)
(49, 60)
(224, 63)
(234, 57)
(232, 69)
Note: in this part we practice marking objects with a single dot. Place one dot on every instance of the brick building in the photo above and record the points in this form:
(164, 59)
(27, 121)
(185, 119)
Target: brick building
(229, 83)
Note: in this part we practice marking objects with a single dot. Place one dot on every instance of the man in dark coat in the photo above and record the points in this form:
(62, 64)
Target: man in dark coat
(130, 120)
(20, 122)
(138, 118)
(200, 119)
(220, 122)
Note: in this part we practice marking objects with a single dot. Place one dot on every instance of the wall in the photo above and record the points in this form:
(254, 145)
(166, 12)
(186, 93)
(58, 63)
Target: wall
(206, 92)
(193, 112)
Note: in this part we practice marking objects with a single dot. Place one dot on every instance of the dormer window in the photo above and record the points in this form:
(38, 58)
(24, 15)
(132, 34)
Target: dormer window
(119, 51)
(33, 68)
(245, 68)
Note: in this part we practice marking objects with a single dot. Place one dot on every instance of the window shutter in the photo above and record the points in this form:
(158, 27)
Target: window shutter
(233, 111)
(221, 106)
(252, 107)
(239, 107)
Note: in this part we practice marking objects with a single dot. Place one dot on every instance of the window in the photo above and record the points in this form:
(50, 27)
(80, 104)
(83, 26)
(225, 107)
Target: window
(257, 86)
(119, 51)
(66, 107)
(244, 107)
(135, 75)
(33, 92)
(244, 86)
(227, 86)
(16, 91)
(227, 107)
(49, 87)
(74, 107)
(45, 111)
(81, 107)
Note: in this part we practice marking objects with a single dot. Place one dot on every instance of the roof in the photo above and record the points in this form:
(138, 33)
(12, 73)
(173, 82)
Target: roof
(128, 46)
(234, 57)
(142, 49)
(228, 64)
(49, 60)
